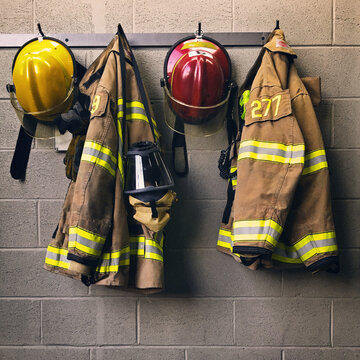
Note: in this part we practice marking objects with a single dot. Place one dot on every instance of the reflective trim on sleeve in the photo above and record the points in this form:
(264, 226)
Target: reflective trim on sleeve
(99, 155)
(149, 248)
(274, 152)
(225, 240)
(85, 241)
(308, 246)
(112, 261)
(257, 230)
(314, 161)
(135, 110)
(57, 257)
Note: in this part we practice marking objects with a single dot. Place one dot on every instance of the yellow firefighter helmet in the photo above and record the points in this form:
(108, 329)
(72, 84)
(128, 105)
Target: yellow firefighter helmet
(43, 75)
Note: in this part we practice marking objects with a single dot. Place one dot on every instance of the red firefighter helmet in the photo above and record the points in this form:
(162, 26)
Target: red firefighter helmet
(196, 86)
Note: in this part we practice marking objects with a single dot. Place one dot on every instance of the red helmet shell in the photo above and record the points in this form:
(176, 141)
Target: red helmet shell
(197, 71)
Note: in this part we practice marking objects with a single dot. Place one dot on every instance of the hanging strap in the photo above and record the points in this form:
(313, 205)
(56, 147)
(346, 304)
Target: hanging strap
(140, 84)
(21, 155)
(179, 152)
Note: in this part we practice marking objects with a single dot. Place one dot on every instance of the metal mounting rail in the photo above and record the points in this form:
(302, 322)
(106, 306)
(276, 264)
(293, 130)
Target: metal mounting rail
(137, 39)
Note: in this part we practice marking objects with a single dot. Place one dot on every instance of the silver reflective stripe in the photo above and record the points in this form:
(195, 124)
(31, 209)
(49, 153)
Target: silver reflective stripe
(110, 262)
(314, 161)
(100, 155)
(57, 257)
(275, 152)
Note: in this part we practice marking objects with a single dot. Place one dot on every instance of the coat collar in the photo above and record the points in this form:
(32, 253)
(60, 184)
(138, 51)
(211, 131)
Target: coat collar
(277, 43)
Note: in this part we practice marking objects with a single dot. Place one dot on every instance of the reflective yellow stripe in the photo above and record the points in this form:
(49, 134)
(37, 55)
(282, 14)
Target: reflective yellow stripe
(314, 154)
(115, 254)
(318, 250)
(154, 256)
(272, 145)
(314, 168)
(99, 162)
(57, 250)
(102, 148)
(224, 244)
(57, 263)
(286, 259)
(113, 268)
(154, 244)
(86, 234)
(84, 248)
(137, 116)
(257, 230)
(269, 151)
(314, 161)
(256, 237)
(258, 223)
(316, 237)
(272, 158)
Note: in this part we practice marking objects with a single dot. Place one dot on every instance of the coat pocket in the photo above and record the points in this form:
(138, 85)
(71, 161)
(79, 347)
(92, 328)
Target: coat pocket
(267, 103)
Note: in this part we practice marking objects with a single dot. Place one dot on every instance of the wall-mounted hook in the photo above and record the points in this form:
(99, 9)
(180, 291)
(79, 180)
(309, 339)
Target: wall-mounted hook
(41, 34)
(199, 32)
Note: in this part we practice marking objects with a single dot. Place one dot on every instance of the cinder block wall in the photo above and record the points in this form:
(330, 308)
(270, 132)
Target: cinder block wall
(214, 308)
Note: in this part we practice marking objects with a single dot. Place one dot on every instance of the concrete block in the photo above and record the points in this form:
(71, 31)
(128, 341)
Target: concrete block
(9, 125)
(324, 116)
(74, 17)
(211, 273)
(119, 11)
(344, 166)
(162, 16)
(282, 322)
(346, 223)
(322, 354)
(89, 321)
(6, 60)
(45, 177)
(343, 284)
(347, 23)
(139, 354)
(186, 321)
(24, 275)
(194, 224)
(242, 59)
(17, 17)
(49, 218)
(233, 354)
(346, 322)
(337, 68)
(18, 223)
(43, 353)
(346, 123)
(260, 16)
(20, 322)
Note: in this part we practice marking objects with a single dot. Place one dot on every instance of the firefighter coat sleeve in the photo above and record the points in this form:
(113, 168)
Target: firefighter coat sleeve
(98, 240)
(281, 210)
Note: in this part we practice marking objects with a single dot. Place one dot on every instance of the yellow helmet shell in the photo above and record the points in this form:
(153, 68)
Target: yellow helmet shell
(43, 74)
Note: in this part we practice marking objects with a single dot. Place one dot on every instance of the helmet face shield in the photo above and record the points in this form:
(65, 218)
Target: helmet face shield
(194, 120)
(41, 124)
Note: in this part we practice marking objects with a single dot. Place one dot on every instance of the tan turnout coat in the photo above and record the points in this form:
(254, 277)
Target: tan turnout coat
(98, 240)
(281, 211)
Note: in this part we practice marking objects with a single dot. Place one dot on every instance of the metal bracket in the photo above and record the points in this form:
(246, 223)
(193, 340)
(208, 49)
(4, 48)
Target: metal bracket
(137, 39)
